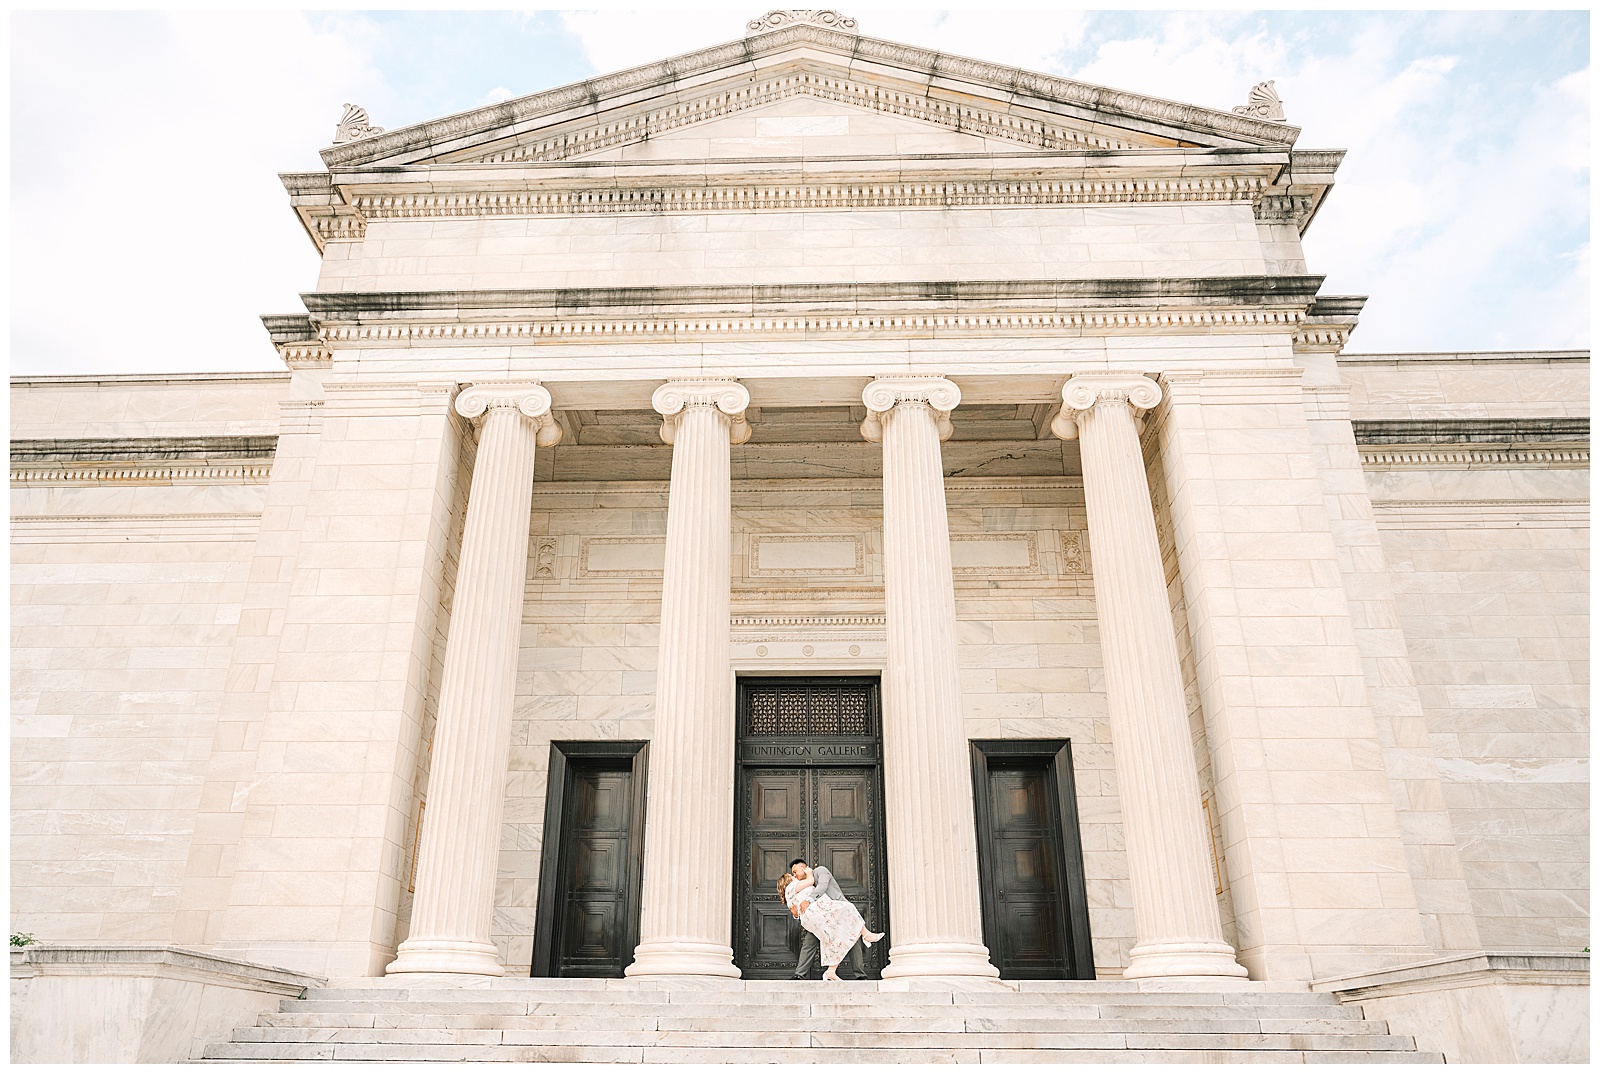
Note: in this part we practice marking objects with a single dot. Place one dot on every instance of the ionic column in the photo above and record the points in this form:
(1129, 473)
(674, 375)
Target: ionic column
(688, 834)
(460, 846)
(935, 920)
(1178, 930)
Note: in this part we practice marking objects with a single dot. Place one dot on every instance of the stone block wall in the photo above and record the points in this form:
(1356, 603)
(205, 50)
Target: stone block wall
(120, 633)
(1495, 604)
(129, 564)
(1483, 522)
(854, 245)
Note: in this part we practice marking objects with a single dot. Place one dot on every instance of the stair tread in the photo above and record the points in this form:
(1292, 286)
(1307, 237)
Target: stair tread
(535, 1020)
(691, 1054)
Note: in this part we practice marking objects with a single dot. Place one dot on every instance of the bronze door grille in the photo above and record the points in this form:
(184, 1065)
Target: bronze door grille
(806, 709)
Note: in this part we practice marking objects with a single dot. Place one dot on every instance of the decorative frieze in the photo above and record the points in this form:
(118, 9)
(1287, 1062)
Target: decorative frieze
(872, 624)
(143, 461)
(240, 473)
(754, 197)
(1020, 322)
(1483, 456)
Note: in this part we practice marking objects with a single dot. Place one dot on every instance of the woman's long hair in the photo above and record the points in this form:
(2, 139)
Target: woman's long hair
(783, 886)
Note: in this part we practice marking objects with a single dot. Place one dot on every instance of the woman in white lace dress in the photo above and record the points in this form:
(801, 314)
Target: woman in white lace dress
(836, 923)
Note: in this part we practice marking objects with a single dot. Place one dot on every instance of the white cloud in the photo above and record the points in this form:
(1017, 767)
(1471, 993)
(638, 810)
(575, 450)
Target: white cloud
(149, 229)
(496, 95)
(615, 40)
(1032, 41)
(1426, 215)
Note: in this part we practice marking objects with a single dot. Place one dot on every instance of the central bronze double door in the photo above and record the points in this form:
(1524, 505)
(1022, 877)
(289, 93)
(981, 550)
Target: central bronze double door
(809, 785)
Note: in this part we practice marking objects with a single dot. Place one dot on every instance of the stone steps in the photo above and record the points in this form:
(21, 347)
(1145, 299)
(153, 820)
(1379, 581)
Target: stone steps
(532, 1020)
(956, 1023)
(355, 1053)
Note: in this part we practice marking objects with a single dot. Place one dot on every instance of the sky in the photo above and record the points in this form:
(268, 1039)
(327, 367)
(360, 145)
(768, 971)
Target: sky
(149, 230)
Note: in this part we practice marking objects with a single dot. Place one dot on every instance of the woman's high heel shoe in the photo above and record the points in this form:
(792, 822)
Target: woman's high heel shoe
(870, 938)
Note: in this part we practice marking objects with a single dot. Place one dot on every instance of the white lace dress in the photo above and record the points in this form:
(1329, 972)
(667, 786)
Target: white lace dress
(835, 923)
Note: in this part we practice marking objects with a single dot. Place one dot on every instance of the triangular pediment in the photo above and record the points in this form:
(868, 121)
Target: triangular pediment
(807, 90)
(800, 111)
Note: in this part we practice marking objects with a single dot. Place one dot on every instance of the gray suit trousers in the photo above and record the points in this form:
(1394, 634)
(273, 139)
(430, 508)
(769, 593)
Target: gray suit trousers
(811, 948)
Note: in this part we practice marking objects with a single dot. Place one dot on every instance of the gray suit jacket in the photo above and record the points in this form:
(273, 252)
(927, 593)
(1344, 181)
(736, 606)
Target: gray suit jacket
(825, 883)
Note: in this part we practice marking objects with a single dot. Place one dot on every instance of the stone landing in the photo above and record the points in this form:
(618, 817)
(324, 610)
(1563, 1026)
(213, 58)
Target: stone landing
(695, 1020)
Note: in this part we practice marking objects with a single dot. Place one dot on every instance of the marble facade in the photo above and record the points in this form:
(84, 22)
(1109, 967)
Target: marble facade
(809, 353)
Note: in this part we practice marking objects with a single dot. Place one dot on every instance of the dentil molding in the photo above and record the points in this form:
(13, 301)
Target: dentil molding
(737, 196)
(1020, 322)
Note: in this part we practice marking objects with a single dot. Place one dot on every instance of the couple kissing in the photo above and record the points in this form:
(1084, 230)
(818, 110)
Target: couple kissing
(830, 921)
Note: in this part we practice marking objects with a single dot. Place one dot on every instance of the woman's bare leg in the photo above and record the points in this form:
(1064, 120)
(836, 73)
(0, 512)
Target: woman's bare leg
(832, 973)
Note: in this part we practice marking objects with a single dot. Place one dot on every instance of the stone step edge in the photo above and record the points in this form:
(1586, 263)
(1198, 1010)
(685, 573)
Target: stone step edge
(755, 1038)
(1022, 1023)
(603, 1054)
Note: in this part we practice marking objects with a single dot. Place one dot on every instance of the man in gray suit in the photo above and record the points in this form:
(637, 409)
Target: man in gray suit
(810, 947)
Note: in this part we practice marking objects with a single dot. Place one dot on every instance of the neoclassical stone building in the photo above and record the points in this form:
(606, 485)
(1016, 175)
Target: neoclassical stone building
(814, 446)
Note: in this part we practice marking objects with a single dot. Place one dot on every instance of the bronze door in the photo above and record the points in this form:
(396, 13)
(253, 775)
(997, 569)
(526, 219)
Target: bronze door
(595, 895)
(1035, 913)
(824, 805)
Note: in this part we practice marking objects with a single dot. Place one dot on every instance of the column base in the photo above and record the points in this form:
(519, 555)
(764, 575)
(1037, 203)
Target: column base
(939, 960)
(682, 958)
(1191, 958)
(446, 956)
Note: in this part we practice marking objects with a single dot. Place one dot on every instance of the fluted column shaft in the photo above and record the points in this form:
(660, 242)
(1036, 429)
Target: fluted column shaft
(460, 845)
(936, 923)
(688, 850)
(1177, 927)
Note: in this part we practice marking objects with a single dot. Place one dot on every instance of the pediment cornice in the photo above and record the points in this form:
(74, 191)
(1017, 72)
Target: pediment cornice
(1252, 305)
(1029, 107)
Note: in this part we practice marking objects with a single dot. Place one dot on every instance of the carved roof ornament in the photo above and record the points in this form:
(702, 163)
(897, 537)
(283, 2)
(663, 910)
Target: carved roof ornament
(353, 124)
(1264, 103)
(778, 19)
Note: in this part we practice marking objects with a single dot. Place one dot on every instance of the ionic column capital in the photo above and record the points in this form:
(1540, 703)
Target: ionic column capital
(885, 393)
(531, 399)
(728, 396)
(1085, 391)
